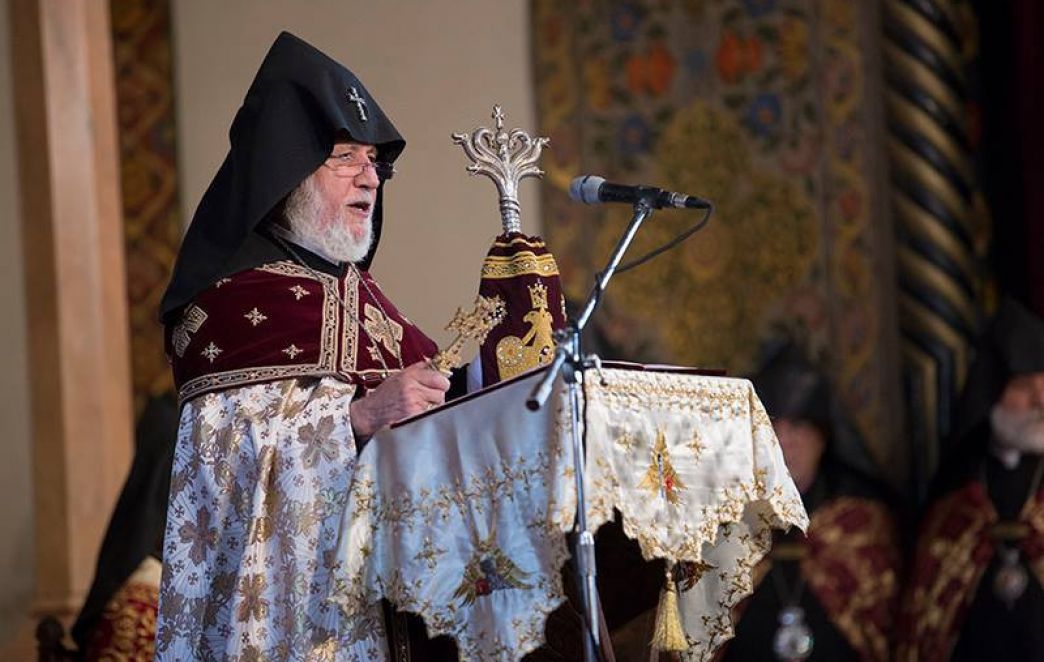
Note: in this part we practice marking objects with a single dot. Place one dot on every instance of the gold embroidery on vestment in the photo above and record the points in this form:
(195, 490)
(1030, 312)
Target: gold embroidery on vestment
(255, 317)
(382, 329)
(327, 359)
(132, 614)
(190, 322)
(292, 351)
(350, 321)
(211, 351)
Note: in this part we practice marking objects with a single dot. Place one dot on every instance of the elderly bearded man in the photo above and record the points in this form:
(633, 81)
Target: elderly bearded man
(287, 357)
(976, 588)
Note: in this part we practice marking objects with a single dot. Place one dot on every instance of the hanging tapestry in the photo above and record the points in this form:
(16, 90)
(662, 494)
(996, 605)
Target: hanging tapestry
(762, 106)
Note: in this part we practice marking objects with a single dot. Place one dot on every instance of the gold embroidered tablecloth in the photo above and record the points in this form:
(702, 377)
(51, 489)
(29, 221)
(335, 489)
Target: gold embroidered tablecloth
(459, 515)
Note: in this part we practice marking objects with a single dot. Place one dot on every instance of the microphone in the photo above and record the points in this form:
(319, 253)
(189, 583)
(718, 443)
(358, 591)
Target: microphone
(592, 189)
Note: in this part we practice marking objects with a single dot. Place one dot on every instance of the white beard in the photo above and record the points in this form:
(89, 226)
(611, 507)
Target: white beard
(1017, 433)
(323, 228)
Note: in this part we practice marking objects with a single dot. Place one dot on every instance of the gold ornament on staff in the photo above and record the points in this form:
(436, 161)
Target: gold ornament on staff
(506, 158)
(476, 325)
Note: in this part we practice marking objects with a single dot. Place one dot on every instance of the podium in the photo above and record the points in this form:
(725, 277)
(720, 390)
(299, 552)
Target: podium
(459, 515)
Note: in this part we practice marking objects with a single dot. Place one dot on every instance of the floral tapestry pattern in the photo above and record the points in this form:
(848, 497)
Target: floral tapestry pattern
(758, 105)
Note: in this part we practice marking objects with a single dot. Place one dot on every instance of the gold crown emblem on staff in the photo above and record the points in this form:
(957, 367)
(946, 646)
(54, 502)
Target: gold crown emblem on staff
(538, 295)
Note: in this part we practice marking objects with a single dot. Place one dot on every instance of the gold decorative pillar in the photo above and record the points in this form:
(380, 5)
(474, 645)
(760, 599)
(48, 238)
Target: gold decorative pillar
(933, 195)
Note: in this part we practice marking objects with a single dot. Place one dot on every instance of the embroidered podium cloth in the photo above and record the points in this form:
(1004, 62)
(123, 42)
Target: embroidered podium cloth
(459, 515)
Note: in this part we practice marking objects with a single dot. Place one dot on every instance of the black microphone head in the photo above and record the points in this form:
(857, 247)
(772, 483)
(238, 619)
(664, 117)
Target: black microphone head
(585, 189)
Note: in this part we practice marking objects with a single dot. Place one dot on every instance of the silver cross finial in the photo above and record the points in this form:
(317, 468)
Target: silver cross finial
(360, 103)
(506, 157)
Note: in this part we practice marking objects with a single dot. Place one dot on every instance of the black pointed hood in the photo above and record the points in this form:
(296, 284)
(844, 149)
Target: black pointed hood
(300, 101)
(1011, 345)
(791, 386)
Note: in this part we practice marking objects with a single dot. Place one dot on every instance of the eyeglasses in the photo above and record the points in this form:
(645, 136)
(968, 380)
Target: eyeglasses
(353, 164)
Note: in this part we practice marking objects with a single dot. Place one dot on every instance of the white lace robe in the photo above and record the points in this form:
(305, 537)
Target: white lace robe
(258, 488)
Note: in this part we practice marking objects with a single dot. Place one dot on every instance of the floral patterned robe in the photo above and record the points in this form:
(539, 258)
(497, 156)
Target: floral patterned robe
(259, 482)
(267, 363)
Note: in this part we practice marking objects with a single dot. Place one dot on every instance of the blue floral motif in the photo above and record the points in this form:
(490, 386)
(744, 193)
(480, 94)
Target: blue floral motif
(625, 21)
(634, 136)
(764, 114)
(759, 8)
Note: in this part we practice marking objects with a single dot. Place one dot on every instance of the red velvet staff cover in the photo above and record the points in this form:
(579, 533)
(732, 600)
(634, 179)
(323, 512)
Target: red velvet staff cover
(522, 272)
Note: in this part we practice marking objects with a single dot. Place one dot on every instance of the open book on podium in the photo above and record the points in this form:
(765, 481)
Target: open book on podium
(459, 515)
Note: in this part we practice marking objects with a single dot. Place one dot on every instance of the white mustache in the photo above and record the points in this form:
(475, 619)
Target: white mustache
(1019, 430)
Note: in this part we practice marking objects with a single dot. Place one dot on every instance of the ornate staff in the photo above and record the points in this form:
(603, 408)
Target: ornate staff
(518, 270)
(506, 158)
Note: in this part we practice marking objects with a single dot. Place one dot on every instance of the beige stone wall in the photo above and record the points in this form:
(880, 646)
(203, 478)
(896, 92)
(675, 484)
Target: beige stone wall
(435, 67)
(16, 523)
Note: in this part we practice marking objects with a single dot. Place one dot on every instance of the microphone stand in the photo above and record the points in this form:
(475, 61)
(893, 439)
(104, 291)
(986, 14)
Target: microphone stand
(570, 362)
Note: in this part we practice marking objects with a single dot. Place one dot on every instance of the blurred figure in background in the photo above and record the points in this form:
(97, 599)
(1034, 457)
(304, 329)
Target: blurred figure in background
(975, 589)
(829, 595)
(118, 619)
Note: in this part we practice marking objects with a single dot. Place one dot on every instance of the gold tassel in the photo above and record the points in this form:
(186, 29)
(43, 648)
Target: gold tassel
(669, 635)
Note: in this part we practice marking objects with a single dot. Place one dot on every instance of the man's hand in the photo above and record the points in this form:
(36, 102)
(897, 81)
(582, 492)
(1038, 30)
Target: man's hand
(410, 391)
